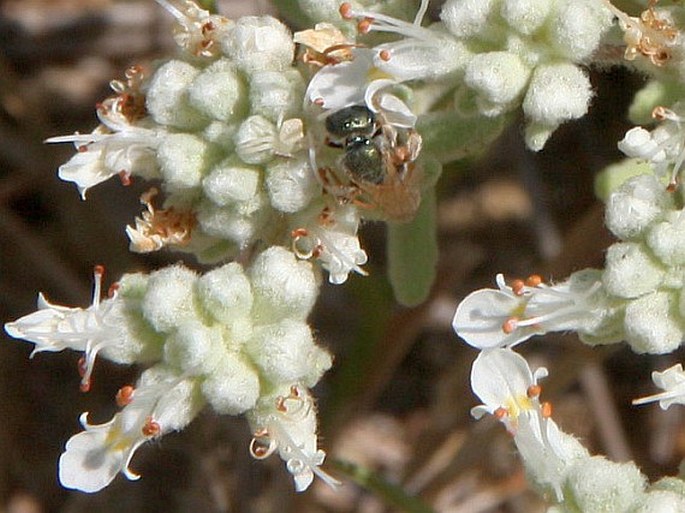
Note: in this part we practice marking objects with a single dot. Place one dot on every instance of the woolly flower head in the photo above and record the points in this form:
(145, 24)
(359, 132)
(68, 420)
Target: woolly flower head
(227, 339)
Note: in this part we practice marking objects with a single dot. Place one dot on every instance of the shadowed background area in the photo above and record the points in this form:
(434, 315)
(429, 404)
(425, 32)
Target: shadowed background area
(398, 397)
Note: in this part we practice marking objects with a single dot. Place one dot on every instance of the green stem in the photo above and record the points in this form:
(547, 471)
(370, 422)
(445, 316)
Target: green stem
(391, 494)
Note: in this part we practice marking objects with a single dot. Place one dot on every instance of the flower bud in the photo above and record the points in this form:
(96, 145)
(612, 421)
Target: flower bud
(631, 271)
(169, 299)
(219, 92)
(167, 96)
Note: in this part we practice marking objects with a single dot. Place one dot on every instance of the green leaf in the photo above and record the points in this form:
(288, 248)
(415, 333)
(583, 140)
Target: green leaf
(654, 93)
(413, 247)
(613, 176)
(449, 136)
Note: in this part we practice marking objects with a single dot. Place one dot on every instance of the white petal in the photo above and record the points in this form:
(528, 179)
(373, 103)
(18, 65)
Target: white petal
(499, 376)
(86, 169)
(89, 463)
(342, 84)
(480, 316)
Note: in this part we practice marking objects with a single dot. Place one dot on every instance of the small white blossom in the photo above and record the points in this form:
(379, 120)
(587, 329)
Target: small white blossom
(198, 31)
(332, 239)
(358, 82)
(102, 327)
(503, 380)
(663, 147)
(287, 424)
(162, 402)
(505, 317)
(672, 381)
(123, 150)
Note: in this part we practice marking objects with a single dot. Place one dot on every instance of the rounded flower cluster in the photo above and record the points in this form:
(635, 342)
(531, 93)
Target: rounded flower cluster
(528, 53)
(223, 126)
(232, 338)
(645, 269)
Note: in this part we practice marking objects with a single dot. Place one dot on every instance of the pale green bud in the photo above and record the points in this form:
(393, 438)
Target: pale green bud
(219, 92)
(276, 95)
(667, 239)
(283, 286)
(637, 203)
(233, 387)
(631, 271)
(231, 181)
(228, 223)
(291, 184)
(652, 323)
(283, 351)
(577, 27)
(525, 16)
(167, 96)
(556, 93)
(659, 502)
(193, 348)
(499, 78)
(184, 159)
(225, 292)
(467, 18)
(596, 484)
(221, 134)
(260, 43)
(255, 140)
(169, 299)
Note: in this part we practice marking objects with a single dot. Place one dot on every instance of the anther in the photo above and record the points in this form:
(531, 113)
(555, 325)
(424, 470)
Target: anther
(659, 113)
(510, 325)
(346, 10)
(546, 410)
(84, 386)
(258, 447)
(99, 270)
(517, 287)
(364, 26)
(294, 391)
(534, 391)
(82, 366)
(299, 232)
(125, 178)
(533, 280)
(112, 290)
(82, 149)
(319, 102)
(500, 413)
(384, 55)
(280, 404)
(151, 428)
(124, 396)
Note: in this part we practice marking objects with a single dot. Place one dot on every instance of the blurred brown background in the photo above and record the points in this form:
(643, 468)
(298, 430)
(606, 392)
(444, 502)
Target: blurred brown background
(397, 400)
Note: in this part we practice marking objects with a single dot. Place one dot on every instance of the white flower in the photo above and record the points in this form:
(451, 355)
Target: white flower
(672, 381)
(358, 82)
(102, 327)
(332, 239)
(162, 402)
(652, 35)
(287, 424)
(490, 318)
(422, 53)
(663, 147)
(111, 149)
(503, 380)
(198, 32)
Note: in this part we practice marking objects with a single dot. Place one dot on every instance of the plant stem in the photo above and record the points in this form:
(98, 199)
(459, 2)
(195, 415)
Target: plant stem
(390, 493)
